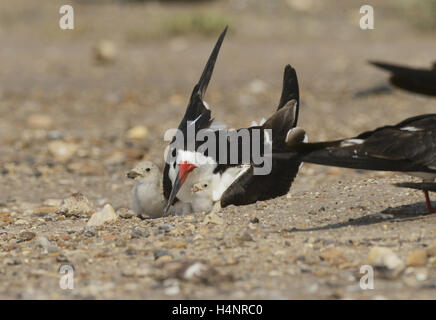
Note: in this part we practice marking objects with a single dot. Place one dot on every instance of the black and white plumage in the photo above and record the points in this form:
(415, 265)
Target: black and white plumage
(409, 147)
(237, 183)
(191, 164)
(197, 112)
(422, 81)
(230, 183)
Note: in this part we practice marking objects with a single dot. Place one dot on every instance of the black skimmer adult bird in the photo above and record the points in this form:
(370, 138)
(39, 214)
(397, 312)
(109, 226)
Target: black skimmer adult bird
(189, 166)
(238, 183)
(416, 80)
(409, 147)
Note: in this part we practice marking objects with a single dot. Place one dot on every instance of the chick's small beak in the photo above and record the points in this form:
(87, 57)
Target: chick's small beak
(132, 174)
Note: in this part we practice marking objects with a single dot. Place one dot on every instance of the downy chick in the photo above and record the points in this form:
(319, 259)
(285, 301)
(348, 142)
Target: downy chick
(203, 196)
(147, 194)
(147, 197)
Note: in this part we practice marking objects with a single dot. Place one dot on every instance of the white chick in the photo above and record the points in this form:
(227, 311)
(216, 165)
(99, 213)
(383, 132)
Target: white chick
(147, 194)
(147, 197)
(203, 196)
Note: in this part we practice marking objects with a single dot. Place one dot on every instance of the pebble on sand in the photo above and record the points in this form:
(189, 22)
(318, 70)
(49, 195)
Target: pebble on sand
(164, 259)
(61, 150)
(385, 257)
(101, 217)
(76, 205)
(212, 218)
(334, 256)
(20, 222)
(125, 213)
(160, 253)
(200, 271)
(431, 251)
(25, 236)
(417, 258)
(105, 51)
(137, 133)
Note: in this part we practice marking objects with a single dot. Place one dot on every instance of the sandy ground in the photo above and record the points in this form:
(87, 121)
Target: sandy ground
(65, 121)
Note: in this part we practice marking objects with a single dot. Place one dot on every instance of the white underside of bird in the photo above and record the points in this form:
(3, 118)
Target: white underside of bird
(147, 199)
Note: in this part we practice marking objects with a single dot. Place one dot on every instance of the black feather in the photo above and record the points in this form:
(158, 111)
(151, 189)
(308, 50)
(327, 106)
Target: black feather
(409, 146)
(422, 81)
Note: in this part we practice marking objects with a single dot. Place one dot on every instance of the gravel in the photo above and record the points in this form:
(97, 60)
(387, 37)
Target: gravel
(68, 140)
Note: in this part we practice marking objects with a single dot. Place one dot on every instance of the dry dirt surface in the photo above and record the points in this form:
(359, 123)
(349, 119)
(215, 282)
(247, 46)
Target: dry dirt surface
(70, 99)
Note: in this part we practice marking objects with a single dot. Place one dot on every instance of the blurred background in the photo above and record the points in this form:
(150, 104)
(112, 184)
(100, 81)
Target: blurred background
(78, 106)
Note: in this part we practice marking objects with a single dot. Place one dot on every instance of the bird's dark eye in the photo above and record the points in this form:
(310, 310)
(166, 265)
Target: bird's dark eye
(148, 169)
(205, 185)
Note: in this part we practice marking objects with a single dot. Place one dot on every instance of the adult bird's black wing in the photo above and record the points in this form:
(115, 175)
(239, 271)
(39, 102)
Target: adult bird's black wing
(409, 146)
(416, 80)
(249, 187)
(195, 109)
(290, 91)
